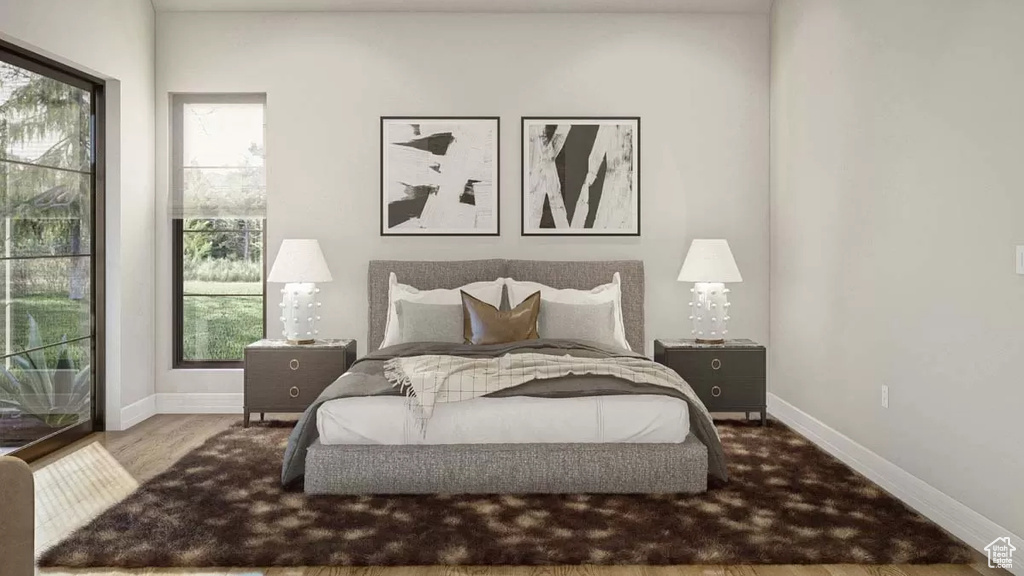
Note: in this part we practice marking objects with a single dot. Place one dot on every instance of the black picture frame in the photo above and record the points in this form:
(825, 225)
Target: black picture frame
(385, 229)
(525, 179)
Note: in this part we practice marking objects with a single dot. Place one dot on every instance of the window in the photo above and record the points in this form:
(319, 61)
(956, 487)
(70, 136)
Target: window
(218, 209)
(51, 254)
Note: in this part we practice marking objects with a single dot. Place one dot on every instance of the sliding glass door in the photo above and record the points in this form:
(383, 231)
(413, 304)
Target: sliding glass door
(50, 308)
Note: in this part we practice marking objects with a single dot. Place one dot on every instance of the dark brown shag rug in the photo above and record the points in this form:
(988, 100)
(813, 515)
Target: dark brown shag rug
(787, 503)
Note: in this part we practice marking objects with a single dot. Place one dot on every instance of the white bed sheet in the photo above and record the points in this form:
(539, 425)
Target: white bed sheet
(515, 420)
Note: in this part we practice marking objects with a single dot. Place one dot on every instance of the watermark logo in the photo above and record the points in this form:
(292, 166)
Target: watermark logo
(1000, 553)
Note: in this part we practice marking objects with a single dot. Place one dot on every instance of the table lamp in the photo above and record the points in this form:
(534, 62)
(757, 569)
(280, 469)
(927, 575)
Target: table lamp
(300, 265)
(709, 264)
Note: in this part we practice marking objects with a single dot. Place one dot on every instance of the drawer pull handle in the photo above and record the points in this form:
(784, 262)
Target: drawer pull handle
(716, 391)
(293, 391)
(716, 364)
(294, 364)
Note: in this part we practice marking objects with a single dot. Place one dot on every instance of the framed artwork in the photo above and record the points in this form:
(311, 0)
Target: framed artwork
(439, 176)
(581, 176)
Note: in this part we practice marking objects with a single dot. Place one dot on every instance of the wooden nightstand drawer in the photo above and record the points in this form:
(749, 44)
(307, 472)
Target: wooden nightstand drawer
(729, 395)
(716, 364)
(285, 378)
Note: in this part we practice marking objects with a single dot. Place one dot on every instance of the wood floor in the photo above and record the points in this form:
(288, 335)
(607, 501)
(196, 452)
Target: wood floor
(80, 481)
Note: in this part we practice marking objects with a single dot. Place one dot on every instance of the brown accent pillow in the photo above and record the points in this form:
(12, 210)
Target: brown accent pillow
(485, 324)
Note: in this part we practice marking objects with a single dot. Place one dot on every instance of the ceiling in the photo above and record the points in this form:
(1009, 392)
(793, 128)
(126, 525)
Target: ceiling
(499, 6)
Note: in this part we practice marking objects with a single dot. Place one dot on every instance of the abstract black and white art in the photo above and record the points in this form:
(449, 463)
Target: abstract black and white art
(581, 176)
(439, 176)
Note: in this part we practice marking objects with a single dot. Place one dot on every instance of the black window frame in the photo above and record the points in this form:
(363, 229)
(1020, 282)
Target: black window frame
(28, 60)
(177, 107)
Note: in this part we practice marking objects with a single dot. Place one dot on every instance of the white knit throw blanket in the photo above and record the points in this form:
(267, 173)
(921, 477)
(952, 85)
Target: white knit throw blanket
(430, 379)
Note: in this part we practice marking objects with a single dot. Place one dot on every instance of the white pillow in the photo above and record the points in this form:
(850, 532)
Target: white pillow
(489, 292)
(612, 292)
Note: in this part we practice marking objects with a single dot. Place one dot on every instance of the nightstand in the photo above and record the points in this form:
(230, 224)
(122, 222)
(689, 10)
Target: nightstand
(283, 377)
(727, 377)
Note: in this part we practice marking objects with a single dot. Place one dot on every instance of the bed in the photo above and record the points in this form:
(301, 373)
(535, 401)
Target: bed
(575, 433)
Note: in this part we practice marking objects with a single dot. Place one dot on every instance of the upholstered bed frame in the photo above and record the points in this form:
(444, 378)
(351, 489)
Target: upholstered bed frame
(455, 273)
(508, 468)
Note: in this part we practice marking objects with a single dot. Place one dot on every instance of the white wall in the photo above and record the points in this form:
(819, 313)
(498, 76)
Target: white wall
(112, 39)
(897, 196)
(699, 82)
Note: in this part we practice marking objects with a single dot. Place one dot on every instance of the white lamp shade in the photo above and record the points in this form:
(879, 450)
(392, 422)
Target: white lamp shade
(299, 260)
(709, 261)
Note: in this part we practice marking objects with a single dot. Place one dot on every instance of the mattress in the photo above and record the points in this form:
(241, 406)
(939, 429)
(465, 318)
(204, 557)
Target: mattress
(642, 419)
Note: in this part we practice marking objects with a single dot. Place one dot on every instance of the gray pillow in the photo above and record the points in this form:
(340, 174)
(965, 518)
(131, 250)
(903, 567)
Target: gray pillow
(594, 322)
(419, 322)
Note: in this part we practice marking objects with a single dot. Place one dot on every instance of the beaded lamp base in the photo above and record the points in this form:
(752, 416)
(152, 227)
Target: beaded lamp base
(709, 312)
(299, 312)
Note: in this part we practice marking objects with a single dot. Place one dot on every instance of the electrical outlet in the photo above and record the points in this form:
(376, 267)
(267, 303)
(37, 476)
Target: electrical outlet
(885, 396)
(1020, 260)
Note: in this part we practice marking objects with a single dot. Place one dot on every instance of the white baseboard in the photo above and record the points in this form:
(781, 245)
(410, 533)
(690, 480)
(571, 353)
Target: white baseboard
(136, 412)
(198, 403)
(971, 527)
(179, 403)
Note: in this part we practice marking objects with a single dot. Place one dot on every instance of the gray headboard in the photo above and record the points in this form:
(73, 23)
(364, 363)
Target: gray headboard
(582, 275)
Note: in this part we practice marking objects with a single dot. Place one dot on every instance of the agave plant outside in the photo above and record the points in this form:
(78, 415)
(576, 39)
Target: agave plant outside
(58, 397)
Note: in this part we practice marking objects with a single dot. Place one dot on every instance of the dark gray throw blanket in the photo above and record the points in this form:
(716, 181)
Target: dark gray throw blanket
(366, 378)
